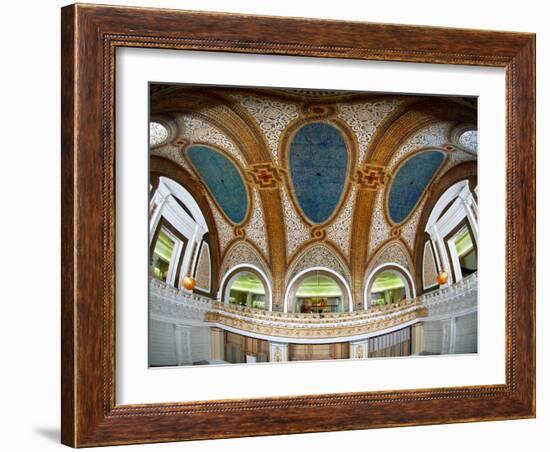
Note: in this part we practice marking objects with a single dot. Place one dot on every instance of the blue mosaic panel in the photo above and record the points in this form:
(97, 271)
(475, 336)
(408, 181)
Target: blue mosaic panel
(318, 161)
(410, 182)
(223, 180)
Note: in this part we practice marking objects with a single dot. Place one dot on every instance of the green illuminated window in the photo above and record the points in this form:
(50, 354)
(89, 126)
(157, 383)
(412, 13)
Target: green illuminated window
(319, 294)
(247, 290)
(162, 256)
(466, 252)
(387, 288)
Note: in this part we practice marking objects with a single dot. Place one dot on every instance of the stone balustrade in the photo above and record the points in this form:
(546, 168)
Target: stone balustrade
(177, 305)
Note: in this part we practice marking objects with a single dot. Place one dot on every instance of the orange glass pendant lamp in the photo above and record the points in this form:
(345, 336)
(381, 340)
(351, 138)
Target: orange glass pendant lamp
(442, 278)
(189, 282)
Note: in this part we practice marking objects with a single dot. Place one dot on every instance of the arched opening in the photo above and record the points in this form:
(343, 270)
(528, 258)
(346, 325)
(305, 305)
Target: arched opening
(179, 237)
(163, 172)
(387, 288)
(317, 291)
(462, 178)
(468, 139)
(158, 133)
(163, 254)
(452, 227)
(389, 284)
(246, 287)
(463, 252)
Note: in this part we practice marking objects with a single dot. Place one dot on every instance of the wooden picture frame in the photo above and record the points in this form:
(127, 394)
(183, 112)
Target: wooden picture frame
(90, 36)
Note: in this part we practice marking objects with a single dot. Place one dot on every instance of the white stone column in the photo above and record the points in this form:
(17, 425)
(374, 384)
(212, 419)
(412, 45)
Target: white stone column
(217, 344)
(468, 202)
(182, 335)
(159, 200)
(417, 339)
(441, 254)
(448, 336)
(278, 352)
(359, 349)
(192, 252)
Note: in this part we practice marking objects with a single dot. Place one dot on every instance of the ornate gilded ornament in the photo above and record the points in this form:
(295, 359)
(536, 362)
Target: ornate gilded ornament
(265, 175)
(372, 177)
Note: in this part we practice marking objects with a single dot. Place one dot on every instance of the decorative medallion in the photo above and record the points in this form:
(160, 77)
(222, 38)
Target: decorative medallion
(372, 177)
(318, 110)
(265, 175)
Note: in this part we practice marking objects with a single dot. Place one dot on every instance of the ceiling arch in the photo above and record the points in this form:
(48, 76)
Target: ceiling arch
(406, 122)
(375, 128)
(159, 167)
(217, 109)
(318, 255)
(462, 171)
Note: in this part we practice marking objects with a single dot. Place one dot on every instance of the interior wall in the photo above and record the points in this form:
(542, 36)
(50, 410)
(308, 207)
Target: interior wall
(313, 352)
(466, 334)
(162, 345)
(396, 343)
(461, 338)
(238, 347)
(433, 338)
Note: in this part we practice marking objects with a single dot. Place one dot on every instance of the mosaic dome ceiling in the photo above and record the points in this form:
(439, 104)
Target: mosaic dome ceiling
(318, 161)
(222, 179)
(410, 182)
(288, 169)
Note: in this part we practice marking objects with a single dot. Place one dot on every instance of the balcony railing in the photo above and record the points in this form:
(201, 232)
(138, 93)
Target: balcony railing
(178, 305)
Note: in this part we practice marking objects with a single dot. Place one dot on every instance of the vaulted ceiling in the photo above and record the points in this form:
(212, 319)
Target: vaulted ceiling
(288, 170)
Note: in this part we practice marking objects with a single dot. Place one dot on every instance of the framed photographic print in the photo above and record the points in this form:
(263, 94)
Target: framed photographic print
(271, 221)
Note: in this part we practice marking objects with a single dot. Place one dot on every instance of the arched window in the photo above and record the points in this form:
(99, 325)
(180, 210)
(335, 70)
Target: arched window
(164, 252)
(389, 284)
(463, 253)
(317, 292)
(158, 133)
(387, 288)
(246, 287)
(177, 229)
(453, 229)
(203, 268)
(468, 140)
